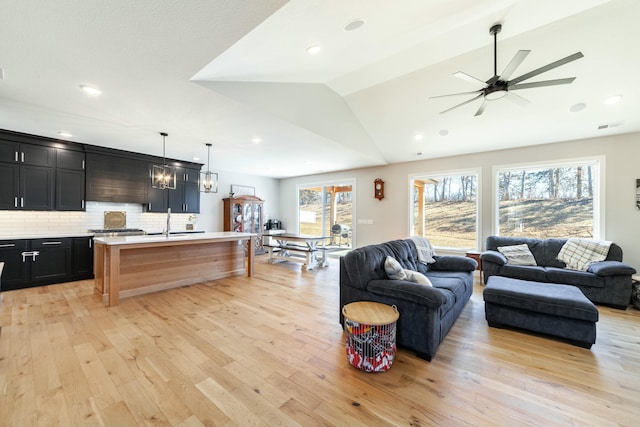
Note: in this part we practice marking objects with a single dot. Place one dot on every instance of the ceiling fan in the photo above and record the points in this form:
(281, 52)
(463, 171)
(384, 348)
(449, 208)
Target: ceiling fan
(500, 86)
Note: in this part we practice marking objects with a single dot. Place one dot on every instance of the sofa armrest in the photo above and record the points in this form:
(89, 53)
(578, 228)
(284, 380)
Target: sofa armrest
(611, 268)
(453, 263)
(494, 257)
(407, 291)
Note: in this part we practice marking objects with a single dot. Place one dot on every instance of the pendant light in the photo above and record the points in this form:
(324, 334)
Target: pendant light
(163, 177)
(208, 179)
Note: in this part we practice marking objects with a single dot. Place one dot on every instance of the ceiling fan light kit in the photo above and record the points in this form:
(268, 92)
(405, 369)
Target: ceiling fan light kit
(499, 86)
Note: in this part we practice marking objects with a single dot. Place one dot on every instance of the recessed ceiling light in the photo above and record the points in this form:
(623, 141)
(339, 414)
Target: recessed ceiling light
(443, 132)
(314, 49)
(577, 107)
(196, 158)
(256, 140)
(90, 90)
(354, 25)
(613, 99)
(65, 134)
(418, 137)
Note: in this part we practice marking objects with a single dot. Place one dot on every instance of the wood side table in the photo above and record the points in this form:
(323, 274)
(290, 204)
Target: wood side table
(476, 255)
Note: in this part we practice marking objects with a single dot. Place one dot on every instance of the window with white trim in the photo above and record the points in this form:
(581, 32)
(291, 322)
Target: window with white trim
(445, 209)
(558, 199)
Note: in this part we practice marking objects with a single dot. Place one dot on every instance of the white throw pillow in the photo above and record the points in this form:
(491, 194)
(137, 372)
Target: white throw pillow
(417, 277)
(518, 254)
(393, 269)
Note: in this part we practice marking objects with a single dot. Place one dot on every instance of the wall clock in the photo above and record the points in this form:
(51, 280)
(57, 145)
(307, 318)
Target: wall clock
(378, 189)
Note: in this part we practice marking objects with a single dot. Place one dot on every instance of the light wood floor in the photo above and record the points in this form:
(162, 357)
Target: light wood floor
(269, 351)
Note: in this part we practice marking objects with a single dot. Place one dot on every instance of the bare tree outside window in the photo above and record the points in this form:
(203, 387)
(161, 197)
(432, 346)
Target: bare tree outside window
(547, 202)
(445, 210)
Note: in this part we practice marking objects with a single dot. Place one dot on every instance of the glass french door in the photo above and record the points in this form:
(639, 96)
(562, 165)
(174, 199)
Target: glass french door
(327, 210)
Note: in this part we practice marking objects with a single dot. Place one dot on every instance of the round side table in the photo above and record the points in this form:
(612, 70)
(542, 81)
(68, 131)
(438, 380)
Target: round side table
(371, 335)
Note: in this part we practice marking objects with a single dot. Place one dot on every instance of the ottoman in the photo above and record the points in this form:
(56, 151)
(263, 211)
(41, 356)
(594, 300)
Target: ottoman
(548, 308)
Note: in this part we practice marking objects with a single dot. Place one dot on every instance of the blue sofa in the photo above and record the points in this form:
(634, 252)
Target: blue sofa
(606, 282)
(426, 313)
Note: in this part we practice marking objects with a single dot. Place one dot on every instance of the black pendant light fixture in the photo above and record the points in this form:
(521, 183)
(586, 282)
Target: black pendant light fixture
(208, 179)
(163, 177)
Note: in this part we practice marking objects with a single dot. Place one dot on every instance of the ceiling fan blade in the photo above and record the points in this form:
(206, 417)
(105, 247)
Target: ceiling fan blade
(542, 84)
(483, 106)
(515, 63)
(467, 78)
(546, 68)
(517, 99)
(455, 94)
(460, 105)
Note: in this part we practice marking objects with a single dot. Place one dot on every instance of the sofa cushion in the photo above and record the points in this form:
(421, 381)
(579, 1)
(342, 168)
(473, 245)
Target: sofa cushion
(517, 254)
(574, 277)
(552, 248)
(524, 272)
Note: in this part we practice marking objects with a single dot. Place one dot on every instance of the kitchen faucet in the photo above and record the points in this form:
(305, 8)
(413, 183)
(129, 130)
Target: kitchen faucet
(168, 230)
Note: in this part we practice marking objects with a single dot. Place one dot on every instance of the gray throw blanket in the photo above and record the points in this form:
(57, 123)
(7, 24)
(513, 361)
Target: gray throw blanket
(424, 249)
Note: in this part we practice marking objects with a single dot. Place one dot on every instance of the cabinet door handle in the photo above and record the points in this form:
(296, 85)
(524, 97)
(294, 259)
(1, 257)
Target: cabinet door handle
(83, 165)
(22, 202)
(90, 243)
(22, 156)
(32, 254)
(16, 156)
(52, 243)
(83, 204)
(8, 245)
(15, 202)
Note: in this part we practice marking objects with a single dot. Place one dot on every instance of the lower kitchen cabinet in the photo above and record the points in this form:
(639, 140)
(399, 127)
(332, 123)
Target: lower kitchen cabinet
(37, 262)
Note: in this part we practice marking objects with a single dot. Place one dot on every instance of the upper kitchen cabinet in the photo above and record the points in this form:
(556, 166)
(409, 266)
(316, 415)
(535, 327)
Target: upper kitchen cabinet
(70, 180)
(185, 198)
(114, 176)
(27, 174)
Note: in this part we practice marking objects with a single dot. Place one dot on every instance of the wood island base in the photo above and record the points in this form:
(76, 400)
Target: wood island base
(129, 266)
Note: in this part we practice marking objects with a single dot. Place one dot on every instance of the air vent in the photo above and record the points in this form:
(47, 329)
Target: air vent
(610, 125)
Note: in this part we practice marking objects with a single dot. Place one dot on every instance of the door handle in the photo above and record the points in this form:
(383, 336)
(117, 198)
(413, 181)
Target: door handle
(22, 157)
(52, 243)
(32, 254)
(8, 245)
(15, 202)
(22, 202)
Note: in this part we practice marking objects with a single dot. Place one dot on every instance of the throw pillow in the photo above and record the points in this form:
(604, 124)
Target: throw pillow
(393, 269)
(417, 277)
(518, 254)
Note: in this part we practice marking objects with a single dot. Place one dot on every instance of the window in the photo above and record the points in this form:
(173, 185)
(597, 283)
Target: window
(445, 209)
(327, 210)
(549, 200)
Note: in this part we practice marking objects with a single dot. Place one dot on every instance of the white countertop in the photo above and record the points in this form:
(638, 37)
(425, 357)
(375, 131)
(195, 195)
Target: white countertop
(130, 240)
(46, 236)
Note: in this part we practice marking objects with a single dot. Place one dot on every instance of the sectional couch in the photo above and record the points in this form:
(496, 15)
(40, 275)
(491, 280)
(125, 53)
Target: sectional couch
(427, 313)
(606, 282)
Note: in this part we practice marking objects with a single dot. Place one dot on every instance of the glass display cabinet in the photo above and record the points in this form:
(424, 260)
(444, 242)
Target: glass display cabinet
(244, 214)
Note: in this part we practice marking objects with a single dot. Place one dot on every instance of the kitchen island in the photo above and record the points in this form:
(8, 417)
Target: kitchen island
(132, 265)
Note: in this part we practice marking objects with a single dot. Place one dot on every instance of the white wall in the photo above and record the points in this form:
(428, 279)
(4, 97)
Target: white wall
(211, 217)
(391, 215)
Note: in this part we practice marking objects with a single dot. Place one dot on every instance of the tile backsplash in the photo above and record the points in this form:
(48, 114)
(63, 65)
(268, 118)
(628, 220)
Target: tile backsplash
(34, 223)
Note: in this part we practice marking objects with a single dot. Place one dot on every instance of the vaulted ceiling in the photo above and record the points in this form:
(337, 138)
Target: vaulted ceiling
(230, 72)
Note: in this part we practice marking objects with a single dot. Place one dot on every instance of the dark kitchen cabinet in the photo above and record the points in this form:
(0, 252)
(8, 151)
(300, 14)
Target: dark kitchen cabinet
(37, 262)
(70, 180)
(51, 261)
(27, 173)
(185, 198)
(15, 272)
(118, 179)
(82, 258)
